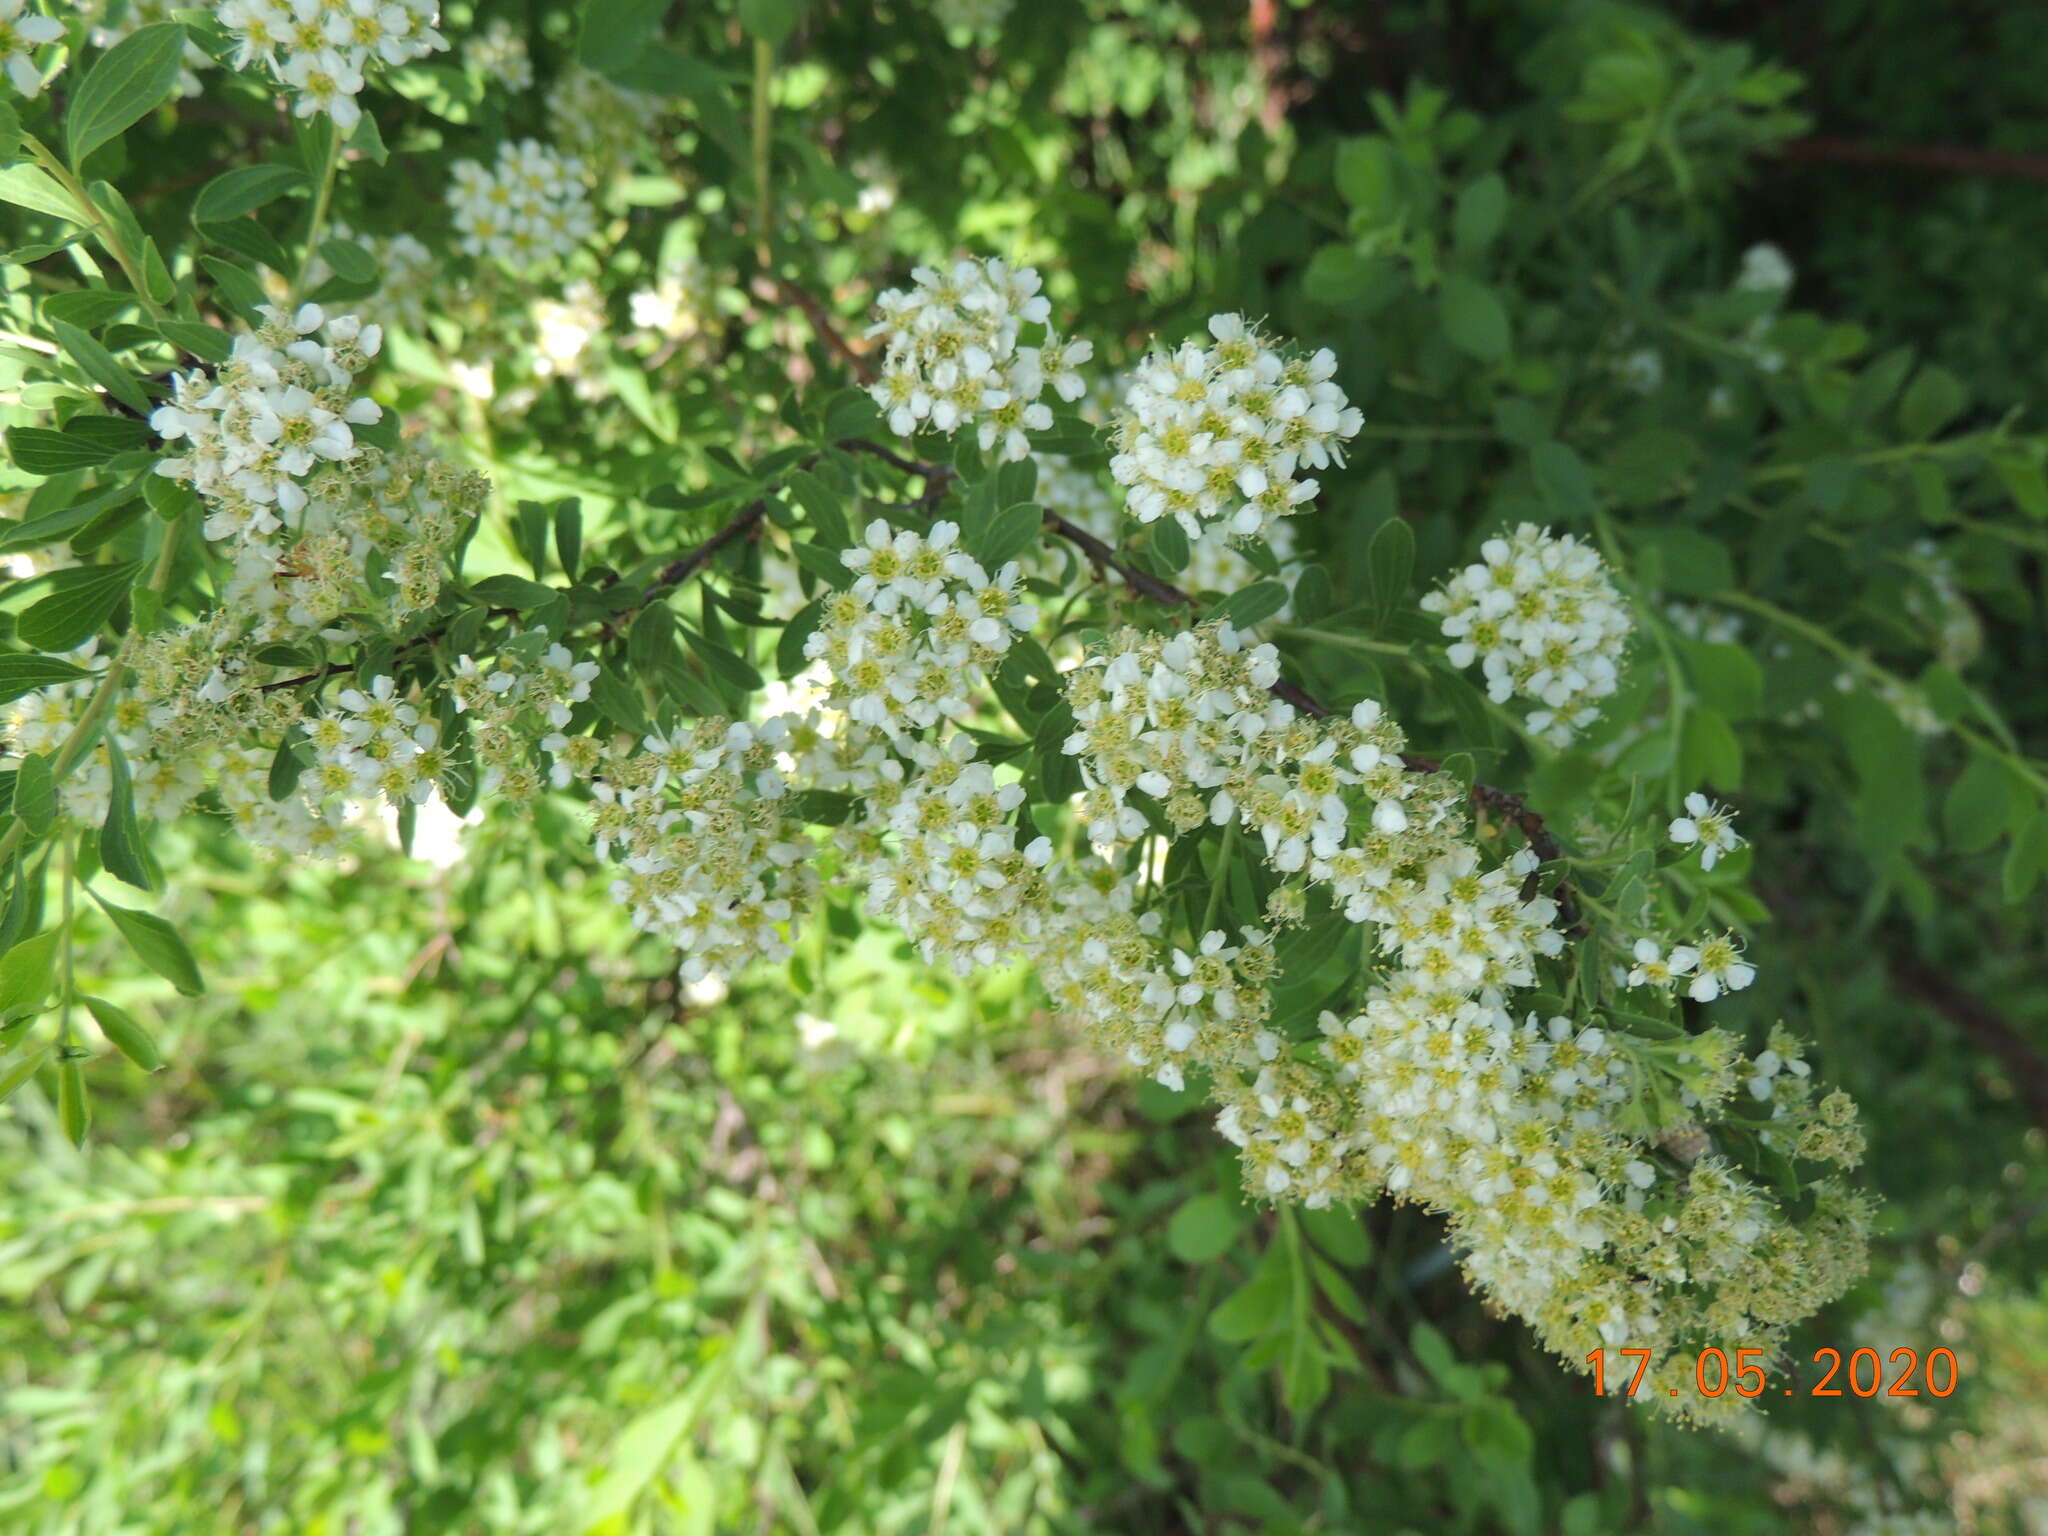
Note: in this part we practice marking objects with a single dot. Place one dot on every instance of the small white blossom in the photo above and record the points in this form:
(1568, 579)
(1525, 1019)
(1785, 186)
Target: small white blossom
(1709, 825)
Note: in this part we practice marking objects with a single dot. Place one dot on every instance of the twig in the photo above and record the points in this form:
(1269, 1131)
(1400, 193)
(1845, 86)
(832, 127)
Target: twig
(1982, 1023)
(1954, 159)
(821, 322)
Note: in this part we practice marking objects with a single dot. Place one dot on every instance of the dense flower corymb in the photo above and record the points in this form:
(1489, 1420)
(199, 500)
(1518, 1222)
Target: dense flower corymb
(321, 50)
(528, 209)
(1543, 621)
(953, 355)
(1221, 434)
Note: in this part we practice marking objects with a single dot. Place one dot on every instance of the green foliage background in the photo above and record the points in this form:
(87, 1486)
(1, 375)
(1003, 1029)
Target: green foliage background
(450, 1212)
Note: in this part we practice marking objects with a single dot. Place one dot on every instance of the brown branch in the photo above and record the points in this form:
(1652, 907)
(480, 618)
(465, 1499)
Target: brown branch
(1985, 1027)
(1950, 159)
(770, 286)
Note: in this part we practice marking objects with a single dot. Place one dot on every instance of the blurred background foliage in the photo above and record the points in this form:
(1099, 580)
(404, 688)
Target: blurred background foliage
(451, 1211)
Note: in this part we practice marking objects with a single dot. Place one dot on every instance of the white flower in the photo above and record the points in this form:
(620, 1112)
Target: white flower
(1544, 622)
(1765, 269)
(1718, 967)
(19, 34)
(1216, 436)
(318, 49)
(1711, 826)
(1653, 969)
(953, 356)
(529, 210)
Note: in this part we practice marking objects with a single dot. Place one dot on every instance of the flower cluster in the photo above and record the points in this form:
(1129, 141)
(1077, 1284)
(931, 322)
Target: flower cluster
(953, 355)
(1543, 621)
(940, 849)
(918, 630)
(1088, 498)
(320, 50)
(599, 122)
(377, 745)
(530, 209)
(1220, 434)
(713, 859)
(679, 305)
(279, 409)
(500, 51)
(1190, 722)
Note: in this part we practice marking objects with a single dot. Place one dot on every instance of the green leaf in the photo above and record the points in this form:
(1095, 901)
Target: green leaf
(618, 700)
(100, 367)
(131, 80)
(569, 535)
(516, 592)
(35, 794)
(21, 1069)
(2023, 481)
(1170, 548)
(1481, 210)
(74, 1108)
(1979, 804)
(2025, 861)
(827, 521)
(124, 1034)
(1258, 1304)
(1709, 753)
(243, 190)
(157, 945)
(237, 286)
(122, 851)
(648, 1444)
(1496, 1433)
(1252, 605)
(41, 451)
(26, 972)
(1474, 318)
(20, 674)
(1689, 563)
(789, 649)
(207, 342)
(349, 260)
(728, 664)
(1389, 562)
(1007, 535)
(1933, 400)
(78, 603)
(285, 768)
(10, 134)
(770, 20)
(28, 186)
(1562, 481)
(614, 31)
(1727, 677)
(1205, 1227)
(1337, 1230)
(824, 564)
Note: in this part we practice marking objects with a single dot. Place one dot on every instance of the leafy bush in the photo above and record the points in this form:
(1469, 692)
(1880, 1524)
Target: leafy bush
(1112, 768)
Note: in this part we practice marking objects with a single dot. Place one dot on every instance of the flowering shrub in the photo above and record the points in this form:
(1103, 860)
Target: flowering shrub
(541, 444)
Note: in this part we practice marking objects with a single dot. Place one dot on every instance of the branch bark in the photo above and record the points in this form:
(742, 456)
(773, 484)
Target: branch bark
(1982, 1024)
(1949, 159)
